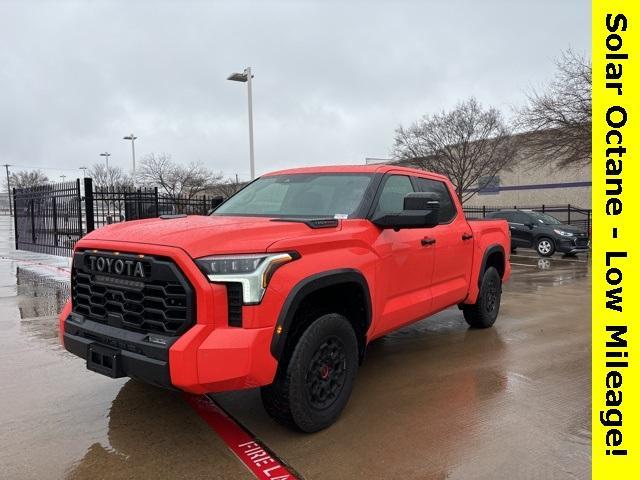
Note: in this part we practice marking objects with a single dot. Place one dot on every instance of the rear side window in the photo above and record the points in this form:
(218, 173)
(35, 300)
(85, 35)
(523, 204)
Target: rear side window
(505, 215)
(447, 208)
(522, 218)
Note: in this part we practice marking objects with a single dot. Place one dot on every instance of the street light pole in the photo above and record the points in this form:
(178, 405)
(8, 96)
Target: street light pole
(250, 100)
(246, 76)
(132, 137)
(6, 166)
(106, 156)
(84, 171)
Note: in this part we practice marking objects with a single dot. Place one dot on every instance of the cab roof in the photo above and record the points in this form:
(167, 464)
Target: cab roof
(378, 168)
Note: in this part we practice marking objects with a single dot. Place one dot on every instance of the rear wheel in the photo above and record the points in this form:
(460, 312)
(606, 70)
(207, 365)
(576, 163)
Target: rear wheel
(484, 312)
(312, 389)
(545, 247)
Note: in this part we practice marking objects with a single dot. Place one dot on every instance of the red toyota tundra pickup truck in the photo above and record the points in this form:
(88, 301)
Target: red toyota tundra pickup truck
(283, 285)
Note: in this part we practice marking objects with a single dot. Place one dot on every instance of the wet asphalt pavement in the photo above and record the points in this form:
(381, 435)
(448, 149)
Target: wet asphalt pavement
(434, 400)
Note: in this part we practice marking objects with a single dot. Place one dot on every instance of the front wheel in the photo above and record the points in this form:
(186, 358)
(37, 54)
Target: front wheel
(545, 247)
(313, 389)
(484, 312)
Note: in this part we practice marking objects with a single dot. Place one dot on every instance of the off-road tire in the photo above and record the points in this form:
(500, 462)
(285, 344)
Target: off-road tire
(545, 247)
(294, 398)
(484, 312)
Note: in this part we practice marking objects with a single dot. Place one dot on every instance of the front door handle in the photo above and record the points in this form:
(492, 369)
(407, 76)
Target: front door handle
(427, 241)
(467, 236)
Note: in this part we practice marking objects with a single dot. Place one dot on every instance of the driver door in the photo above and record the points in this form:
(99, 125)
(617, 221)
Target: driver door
(405, 263)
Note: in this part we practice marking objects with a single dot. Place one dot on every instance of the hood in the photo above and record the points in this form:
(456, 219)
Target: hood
(204, 235)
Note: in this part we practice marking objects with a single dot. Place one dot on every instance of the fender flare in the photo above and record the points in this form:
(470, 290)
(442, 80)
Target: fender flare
(304, 288)
(494, 248)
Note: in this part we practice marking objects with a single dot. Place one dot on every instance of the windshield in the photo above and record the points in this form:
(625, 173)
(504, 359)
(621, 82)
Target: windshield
(304, 195)
(544, 218)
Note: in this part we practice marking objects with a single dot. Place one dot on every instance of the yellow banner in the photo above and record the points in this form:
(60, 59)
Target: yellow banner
(616, 239)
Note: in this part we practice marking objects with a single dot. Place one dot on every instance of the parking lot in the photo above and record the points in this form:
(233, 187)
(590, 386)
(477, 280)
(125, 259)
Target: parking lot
(434, 400)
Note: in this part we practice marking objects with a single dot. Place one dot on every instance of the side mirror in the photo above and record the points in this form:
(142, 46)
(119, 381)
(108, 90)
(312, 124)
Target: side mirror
(421, 210)
(530, 225)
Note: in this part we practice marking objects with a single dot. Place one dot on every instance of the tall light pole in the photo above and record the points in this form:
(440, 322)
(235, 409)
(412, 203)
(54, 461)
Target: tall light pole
(6, 166)
(106, 156)
(246, 76)
(84, 171)
(132, 137)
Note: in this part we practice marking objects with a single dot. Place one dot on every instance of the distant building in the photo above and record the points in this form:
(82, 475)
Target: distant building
(526, 185)
(530, 183)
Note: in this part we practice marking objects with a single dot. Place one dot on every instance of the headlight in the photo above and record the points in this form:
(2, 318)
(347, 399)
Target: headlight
(563, 233)
(253, 271)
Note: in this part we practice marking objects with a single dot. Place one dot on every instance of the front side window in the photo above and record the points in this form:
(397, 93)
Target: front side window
(392, 196)
(299, 195)
(447, 207)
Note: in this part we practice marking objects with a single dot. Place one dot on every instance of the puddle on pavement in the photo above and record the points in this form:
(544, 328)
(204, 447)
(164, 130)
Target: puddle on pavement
(540, 272)
(435, 399)
(153, 433)
(39, 296)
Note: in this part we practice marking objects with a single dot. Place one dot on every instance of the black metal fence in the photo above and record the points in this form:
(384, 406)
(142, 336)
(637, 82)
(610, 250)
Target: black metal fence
(110, 204)
(118, 204)
(48, 218)
(570, 214)
(52, 218)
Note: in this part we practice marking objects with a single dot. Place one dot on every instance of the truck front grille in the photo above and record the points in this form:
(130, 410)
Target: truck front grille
(139, 293)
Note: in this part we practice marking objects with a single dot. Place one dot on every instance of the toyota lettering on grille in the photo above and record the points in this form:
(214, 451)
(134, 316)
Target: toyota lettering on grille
(117, 266)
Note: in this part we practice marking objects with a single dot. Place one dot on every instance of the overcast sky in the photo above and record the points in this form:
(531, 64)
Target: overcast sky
(332, 79)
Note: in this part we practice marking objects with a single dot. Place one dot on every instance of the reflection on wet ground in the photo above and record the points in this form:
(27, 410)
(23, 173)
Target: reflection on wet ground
(434, 400)
(439, 400)
(534, 272)
(39, 296)
(153, 434)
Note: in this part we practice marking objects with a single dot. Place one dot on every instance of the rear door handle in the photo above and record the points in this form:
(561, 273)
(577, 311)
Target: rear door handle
(427, 241)
(467, 236)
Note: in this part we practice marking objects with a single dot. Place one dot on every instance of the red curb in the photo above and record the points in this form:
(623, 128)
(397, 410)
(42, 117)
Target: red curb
(249, 450)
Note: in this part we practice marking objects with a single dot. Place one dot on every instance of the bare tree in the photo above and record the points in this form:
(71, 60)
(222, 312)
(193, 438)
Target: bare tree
(27, 179)
(560, 115)
(467, 144)
(178, 182)
(228, 187)
(109, 177)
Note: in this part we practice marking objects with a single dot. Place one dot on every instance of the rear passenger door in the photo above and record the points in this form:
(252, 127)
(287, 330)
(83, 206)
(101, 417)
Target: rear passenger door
(453, 248)
(521, 229)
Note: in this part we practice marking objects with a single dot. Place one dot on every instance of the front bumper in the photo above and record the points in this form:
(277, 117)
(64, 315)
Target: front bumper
(203, 360)
(569, 245)
(209, 357)
(137, 356)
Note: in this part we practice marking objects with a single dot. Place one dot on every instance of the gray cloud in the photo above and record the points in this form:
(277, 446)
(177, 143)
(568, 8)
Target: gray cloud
(332, 79)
